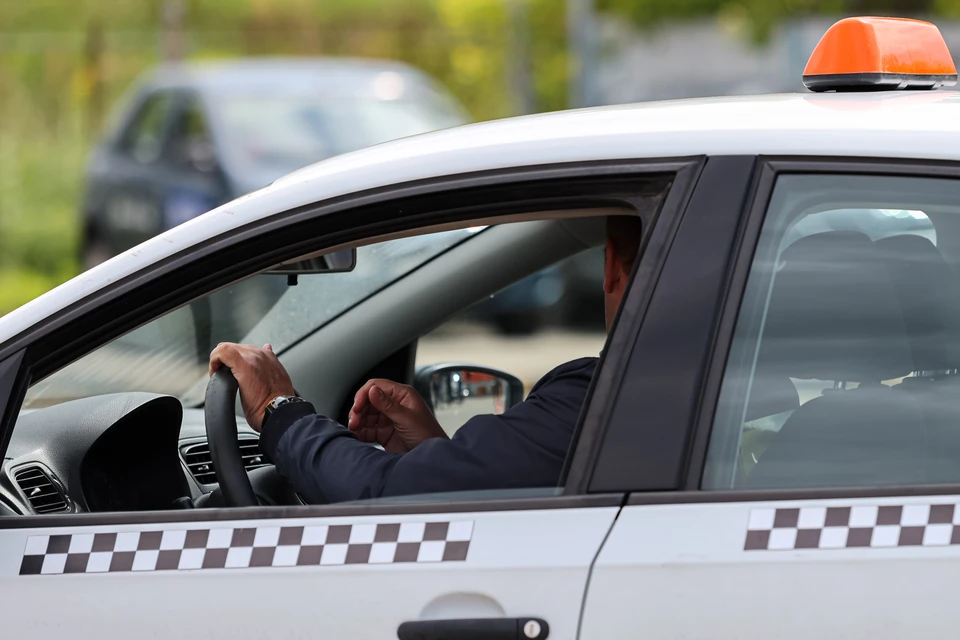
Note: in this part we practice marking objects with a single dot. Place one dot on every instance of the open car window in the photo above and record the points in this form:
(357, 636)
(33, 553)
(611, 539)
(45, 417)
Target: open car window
(170, 354)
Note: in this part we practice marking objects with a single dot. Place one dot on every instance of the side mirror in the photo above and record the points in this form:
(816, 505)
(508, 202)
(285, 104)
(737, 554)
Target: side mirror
(456, 392)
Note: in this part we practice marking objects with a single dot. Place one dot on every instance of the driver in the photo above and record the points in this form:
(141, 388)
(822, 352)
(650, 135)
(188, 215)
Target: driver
(326, 462)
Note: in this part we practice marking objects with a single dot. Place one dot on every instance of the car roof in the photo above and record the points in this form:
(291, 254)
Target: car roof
(246, 74)
(914, 124)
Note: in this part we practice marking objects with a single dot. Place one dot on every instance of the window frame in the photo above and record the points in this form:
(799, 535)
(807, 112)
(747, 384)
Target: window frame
(658, 347)
(168, 283)
(186, 100)
(769, 170)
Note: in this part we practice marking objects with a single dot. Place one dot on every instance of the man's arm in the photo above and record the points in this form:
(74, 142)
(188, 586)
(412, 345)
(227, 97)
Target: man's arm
(524, 447)
(325, 462)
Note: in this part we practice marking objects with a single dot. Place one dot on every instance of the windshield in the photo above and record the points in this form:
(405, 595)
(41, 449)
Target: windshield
(277, 134)
(169, 355)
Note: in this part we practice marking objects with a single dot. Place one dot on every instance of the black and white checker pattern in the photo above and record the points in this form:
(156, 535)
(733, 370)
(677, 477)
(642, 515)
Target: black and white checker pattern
(858, 526)
(241, 548)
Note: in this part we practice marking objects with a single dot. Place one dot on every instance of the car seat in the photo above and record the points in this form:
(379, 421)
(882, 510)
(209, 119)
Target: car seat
(929, 296)
(834, 315)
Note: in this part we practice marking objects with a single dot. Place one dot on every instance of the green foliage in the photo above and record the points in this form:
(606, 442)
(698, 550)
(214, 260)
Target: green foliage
(760, 16)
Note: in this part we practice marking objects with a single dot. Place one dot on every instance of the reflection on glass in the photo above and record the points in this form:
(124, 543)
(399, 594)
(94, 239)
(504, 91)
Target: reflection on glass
(169, 355)
(458, 396)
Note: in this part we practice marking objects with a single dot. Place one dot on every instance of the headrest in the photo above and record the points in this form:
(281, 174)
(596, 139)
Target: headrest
(770, 395)
(834, 313)
(929, 299)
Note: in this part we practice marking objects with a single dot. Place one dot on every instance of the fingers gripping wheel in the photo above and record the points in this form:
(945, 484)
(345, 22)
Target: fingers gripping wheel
(221, 422)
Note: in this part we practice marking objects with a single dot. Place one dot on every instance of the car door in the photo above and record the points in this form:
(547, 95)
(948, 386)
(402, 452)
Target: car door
(508, 565)
(823, 476)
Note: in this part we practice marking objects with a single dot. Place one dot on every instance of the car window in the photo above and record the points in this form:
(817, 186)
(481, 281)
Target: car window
(191, 144)
(143, 140)
(526, 330)
(843, 369)
(169, 355)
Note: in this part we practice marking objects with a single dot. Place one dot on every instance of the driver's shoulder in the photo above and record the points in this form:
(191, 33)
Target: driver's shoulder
(577, 372)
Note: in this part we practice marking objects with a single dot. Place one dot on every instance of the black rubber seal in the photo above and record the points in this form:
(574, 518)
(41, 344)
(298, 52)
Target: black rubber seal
(876, 81)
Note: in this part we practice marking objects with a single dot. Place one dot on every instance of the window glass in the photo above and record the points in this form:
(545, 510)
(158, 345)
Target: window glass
(843, 369)
(190, 142)
(526, 330)
(169, 355)
(144, 139)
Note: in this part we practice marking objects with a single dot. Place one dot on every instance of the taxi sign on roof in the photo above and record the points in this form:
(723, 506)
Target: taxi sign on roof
(871, 54)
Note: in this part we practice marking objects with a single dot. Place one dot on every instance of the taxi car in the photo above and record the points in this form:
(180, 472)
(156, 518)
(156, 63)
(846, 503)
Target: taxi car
(770, 445)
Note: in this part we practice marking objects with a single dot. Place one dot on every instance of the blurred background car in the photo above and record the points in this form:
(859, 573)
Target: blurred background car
(568, 295)
(193, 136)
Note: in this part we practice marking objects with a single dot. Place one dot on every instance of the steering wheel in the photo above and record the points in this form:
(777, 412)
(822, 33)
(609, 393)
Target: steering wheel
(221, 423)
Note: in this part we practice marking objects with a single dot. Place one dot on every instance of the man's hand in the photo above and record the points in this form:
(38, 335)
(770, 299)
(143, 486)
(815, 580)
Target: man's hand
(258, 372)
(392, 415)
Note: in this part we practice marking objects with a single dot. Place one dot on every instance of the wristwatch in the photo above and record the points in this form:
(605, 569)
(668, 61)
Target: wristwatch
(278, 402)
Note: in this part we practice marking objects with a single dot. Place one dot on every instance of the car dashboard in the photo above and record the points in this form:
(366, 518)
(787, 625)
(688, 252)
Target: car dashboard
(118, 452)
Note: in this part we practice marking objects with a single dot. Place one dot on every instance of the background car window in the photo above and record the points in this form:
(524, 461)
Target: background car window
(277, 133)
(191, 144)
(144, 139)
(844, 366)
(169, 355)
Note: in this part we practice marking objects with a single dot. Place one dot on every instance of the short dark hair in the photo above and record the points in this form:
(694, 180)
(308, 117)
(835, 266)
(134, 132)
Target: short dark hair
(625, 232)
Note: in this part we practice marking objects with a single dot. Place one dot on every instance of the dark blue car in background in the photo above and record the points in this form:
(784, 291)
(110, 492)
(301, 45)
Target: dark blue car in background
(193, 136)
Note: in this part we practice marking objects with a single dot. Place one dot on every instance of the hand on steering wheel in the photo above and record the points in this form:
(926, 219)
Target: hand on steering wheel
(260, 378)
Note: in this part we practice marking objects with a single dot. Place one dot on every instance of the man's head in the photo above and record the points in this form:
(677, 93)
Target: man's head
(623, 244)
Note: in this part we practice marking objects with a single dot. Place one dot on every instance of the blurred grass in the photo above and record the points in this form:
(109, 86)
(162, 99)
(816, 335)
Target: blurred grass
(64, 64)
(40, 183)
(41, 166)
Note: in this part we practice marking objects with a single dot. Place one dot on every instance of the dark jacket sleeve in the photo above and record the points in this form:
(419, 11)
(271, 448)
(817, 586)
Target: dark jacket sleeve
(524, 447)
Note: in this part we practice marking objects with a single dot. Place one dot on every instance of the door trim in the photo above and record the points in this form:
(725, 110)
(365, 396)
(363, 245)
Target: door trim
(785, 495)
(312, 511)
(601, 394)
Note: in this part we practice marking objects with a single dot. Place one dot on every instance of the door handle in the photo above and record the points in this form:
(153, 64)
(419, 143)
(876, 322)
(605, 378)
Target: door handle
(475, 629)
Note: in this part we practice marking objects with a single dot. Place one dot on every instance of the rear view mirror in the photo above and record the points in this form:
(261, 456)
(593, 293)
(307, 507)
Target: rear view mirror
(336, 262)
(456, 392)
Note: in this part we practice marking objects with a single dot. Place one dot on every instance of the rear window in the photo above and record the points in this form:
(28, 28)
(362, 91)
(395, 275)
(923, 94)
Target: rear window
(844, 365)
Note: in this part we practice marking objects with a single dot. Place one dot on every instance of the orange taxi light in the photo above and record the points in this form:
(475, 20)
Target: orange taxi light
(862, 54)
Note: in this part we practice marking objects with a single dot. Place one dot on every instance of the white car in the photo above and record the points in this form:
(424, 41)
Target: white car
(771, 446)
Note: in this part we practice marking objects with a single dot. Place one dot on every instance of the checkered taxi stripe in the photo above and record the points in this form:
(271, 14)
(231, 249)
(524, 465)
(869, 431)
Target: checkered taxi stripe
(241, 548)
(861, 526)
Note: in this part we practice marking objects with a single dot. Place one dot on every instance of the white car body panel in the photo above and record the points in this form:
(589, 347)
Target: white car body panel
(682, 571)
(894, 124)
(519, 563)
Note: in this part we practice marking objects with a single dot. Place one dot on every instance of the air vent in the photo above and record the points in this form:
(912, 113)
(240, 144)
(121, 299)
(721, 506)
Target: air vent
(200, 463)
(44, 495)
